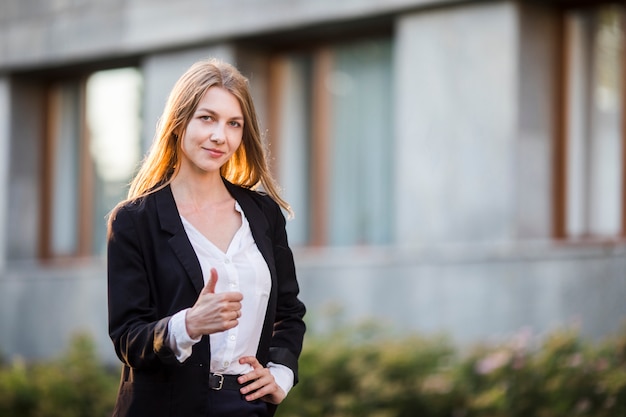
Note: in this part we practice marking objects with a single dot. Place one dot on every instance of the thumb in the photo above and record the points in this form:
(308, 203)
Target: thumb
(209, 288)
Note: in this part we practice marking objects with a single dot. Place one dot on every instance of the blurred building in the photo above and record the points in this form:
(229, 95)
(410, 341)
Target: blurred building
(454, 166)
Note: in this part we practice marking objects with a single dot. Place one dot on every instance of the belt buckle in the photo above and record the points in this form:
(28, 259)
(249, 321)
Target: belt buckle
(221, 382)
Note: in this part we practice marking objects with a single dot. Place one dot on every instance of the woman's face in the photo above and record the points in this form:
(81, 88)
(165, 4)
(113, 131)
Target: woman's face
(213, 133)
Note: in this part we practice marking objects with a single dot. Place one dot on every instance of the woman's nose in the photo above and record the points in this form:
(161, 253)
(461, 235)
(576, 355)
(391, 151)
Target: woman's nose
(218, 135)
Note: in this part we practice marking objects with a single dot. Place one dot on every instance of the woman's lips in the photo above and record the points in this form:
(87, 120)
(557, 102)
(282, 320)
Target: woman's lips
(215, 153)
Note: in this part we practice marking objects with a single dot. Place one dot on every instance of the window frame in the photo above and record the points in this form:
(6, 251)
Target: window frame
(561, 134)
(320, 113)
(84, 199)
(319, 168)
(85, 196)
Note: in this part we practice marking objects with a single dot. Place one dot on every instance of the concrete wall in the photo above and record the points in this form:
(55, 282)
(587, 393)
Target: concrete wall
(35, 33)
(473, 258)
(43, 306)
(23, 191)
(456, 92)
(5, 146)
(537, 57)
(489, 292)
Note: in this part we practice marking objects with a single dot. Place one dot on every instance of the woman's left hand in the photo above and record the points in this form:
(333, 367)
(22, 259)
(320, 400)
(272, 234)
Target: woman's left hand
(263, 386)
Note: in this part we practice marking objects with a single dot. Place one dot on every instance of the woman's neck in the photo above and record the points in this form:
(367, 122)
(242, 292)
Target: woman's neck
(197, 192)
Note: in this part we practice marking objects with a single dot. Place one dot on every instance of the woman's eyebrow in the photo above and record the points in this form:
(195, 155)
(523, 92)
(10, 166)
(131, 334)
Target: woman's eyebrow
(204, 109)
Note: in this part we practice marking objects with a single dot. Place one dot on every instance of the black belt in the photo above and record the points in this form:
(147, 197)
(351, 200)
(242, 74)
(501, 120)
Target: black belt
(219, 381)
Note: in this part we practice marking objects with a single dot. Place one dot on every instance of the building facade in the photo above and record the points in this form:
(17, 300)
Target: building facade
(454, 166)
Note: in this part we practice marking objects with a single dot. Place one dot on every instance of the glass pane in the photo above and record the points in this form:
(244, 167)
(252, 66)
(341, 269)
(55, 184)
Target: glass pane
(65, 161)
(114, 126)
(577, 123)
(605, 151)
(362, 143)
(595, 105)
(295, 73)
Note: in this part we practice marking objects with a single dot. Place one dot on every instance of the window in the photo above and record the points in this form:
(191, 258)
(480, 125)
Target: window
(591, 176)
(91, 149)
(334, 137)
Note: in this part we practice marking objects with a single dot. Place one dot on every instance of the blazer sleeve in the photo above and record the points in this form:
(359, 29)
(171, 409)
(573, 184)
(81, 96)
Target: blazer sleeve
(289, 326)
(138, 334)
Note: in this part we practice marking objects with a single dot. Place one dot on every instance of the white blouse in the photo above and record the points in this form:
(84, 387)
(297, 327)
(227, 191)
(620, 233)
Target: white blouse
(242, 268)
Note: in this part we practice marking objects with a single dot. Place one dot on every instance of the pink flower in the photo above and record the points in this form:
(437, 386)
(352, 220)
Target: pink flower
(602, 364)
(575, 360)
(493, 362)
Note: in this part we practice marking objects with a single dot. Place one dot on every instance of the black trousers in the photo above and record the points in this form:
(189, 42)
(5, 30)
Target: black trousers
(230, 403)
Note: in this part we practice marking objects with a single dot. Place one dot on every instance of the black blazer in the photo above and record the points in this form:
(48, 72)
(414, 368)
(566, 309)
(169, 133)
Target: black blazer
(153, 272)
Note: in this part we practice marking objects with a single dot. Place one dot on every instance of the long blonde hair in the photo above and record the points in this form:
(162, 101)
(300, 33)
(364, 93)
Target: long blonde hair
(248, 167)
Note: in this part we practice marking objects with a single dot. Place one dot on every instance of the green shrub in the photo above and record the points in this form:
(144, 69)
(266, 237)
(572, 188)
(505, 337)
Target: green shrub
(75, 385)
(365, 371)
(347, 374)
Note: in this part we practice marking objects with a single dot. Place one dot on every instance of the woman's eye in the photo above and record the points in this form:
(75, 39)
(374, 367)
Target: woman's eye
(206, 118)
(235, 124)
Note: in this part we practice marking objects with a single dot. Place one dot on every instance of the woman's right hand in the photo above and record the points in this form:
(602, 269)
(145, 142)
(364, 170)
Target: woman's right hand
(213, 313)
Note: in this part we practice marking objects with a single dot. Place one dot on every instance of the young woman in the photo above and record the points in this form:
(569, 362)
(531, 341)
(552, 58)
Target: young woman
(203, 298)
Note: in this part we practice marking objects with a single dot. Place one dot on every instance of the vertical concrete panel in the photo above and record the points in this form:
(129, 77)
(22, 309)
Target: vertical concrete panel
(5, 147)
(253, 64)
(456, 79)
(537, 88)
(24, 188)
(161, 71)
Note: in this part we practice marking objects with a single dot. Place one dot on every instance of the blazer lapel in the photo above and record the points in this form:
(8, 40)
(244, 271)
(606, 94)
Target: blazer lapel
(258, 224)
(179, 242)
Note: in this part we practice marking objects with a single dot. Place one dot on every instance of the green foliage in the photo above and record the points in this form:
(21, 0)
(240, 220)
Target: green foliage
(75, 385)
(357, 372)
(365, 371)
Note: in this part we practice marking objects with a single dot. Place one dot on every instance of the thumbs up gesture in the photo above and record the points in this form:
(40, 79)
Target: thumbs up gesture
(213, 313)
